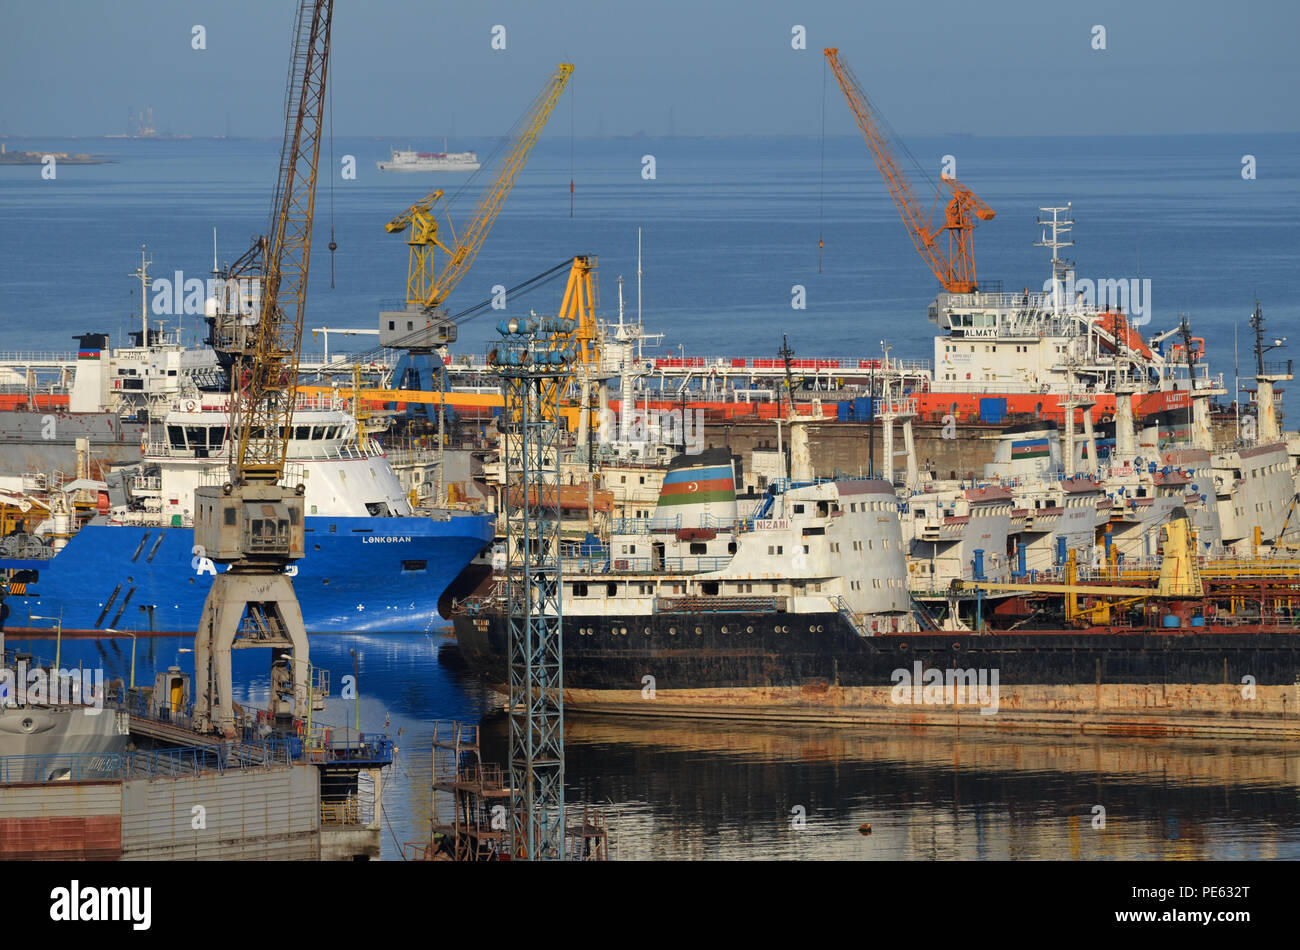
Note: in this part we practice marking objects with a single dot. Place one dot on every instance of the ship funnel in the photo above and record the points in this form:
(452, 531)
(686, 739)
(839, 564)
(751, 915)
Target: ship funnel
(90, 380)
(700, 490)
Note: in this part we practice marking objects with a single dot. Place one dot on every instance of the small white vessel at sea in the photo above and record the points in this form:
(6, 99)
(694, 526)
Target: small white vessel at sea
(409, 160)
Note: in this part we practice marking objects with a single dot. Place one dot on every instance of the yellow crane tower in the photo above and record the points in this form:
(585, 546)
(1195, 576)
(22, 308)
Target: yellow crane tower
(255, 520)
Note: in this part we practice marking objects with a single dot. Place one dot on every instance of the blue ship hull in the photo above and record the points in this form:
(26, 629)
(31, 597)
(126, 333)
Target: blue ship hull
(376, 575)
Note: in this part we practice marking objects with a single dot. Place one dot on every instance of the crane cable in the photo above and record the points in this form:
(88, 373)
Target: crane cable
(571, 96)
(333, 244)
(821, 208)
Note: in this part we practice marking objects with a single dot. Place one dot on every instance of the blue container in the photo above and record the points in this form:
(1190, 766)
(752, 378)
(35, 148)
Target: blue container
(993, 409)
(843, 411)
(1169, 620)
(862, 408)
(1198, 621)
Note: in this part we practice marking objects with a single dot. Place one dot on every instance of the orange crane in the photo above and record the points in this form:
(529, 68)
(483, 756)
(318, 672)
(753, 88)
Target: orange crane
(955, 268)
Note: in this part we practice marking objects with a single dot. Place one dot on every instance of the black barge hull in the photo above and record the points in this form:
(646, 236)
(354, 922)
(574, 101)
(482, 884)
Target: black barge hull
(1238, 681)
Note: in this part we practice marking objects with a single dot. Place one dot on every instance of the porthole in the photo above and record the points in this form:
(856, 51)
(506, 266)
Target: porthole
(819, 628)
(749, 629)
(724, 629)
(956, 645)
(698, 631)
(646, 631)
(672, 631)
(902, 648)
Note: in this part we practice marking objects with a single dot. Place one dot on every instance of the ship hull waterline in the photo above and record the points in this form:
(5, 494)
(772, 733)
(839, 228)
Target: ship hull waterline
(1239, 684)
(358, 575)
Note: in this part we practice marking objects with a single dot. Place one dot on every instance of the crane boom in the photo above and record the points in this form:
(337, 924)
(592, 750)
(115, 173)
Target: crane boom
(956, 269)
(266, 370)
(428, 287)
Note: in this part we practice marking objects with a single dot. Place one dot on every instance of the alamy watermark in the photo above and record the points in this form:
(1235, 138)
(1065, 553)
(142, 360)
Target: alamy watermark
(641, 427)
(1130, 296)
(43, 686)
(179, 295)
(952, 687)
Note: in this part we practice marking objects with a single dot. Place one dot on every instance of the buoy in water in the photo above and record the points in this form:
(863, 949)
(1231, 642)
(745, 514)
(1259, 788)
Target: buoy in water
(864, 830)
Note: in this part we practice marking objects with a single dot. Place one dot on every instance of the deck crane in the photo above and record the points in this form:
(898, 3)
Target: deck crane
(255, 520)
(955, 268)
(424, 327)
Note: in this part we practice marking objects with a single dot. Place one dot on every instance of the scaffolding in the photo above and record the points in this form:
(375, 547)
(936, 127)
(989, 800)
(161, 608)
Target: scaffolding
(532, 373)
(470, 799)
(471, 805)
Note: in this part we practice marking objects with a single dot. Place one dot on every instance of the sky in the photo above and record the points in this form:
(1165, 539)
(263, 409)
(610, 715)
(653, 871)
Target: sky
(689, 67)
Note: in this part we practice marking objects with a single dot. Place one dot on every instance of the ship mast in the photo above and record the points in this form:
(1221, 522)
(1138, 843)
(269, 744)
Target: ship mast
(143, 273)
(1060, 266)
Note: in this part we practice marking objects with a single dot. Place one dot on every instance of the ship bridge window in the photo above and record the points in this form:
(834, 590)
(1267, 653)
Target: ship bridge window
(611, 590)
(318, 432)
(302, 433)
(798, 509)
(176, 437)
(709, 588)
(579, 590)
(699, 547)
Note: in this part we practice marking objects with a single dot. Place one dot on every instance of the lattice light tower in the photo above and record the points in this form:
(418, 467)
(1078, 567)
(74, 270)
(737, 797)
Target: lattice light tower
(532, 366)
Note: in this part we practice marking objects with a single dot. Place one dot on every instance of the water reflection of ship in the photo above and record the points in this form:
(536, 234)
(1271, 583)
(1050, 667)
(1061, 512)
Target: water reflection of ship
(723, 791)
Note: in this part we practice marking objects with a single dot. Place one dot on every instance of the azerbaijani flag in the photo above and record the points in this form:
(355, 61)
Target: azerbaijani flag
(1030, 449)
(698, 485)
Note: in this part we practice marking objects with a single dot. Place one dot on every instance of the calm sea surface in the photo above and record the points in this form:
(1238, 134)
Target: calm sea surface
(730, 226)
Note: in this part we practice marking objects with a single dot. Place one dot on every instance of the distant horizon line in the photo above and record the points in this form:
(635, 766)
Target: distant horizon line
(115, 136)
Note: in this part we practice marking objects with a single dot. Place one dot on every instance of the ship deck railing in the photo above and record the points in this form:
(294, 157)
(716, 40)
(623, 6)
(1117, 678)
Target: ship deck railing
(322, 743)
(141, 763)
(30, 357)
(690, 564)
(705, 521)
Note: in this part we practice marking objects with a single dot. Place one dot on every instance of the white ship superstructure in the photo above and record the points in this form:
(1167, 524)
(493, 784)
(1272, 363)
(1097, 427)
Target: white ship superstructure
(409, 160)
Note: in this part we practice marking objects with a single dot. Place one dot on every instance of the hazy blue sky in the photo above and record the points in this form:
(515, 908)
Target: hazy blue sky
(418, 68)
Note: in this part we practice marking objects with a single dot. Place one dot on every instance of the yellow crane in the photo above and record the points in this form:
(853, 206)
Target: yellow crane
(574, 327)
(255, 521)
(1180, 577)
(427, 285)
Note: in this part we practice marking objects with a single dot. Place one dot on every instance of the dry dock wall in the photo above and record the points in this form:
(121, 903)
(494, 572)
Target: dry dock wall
(244, 815)
(270, 815)
(61, 821)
